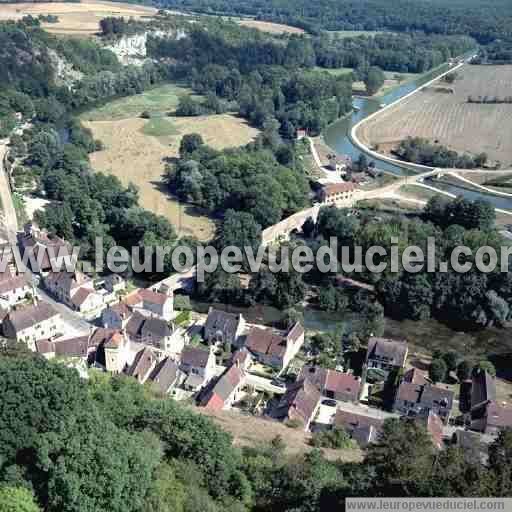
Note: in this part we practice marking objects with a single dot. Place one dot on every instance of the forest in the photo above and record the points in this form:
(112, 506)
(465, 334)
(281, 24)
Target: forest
(111, 444)
(485, 20)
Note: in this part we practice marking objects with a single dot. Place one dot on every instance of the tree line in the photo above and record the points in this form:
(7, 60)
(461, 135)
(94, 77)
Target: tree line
(484, 21)
(422, 151)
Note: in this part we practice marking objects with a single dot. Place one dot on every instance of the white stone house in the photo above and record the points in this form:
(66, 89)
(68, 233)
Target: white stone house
(13, 289)
(199, 365)
(32, 323)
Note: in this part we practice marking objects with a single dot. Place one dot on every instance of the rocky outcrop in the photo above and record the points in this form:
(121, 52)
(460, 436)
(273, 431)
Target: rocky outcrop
(64, 72)
(132, 49)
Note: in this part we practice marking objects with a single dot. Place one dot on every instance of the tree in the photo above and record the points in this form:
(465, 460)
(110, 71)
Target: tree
(437, 370)
(401, 459)
(239, 229)
(500, 463)
(291, 316)
(189, 143)
(374, 80)
(308, 228)
(485, 366)
(464, 370)
(452, 359)
(327, 298)
(166, 493)
(17, 499)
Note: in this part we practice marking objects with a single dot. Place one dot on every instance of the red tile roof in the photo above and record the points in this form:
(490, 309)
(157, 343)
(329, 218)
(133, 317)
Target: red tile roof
(266, 341)
(153, 297)
(337, 188)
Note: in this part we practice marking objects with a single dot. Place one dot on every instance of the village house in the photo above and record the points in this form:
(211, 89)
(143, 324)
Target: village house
(116, 316)
(78, 347)
(166, 376)
(157, 303)
(243, 358)
(114, 351)
(275, 349)
(144, 363)
(75, 290)
(156, 332)
(31, 323)
(487, 416)
(337, 194)
(418, 399)
(386, 355)
(299, 403)
(333, 384)
(227, 390)
(199, 364)
(13, 289)
(363, 429)
(223, 327)
(339, 163)
(43, 252)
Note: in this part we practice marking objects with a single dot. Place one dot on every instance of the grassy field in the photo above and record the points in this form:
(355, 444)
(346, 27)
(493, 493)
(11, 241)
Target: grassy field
(254, 431)
(416, 192)
(160, 100)
(449, 119)
(78, 19)
(160, 127)
(135, 148)
(271, 28)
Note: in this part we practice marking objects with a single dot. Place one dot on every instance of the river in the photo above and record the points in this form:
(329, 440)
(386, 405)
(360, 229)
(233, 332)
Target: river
(337, 136)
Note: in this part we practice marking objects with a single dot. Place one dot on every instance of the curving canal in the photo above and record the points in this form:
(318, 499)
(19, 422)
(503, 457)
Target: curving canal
(337, 136)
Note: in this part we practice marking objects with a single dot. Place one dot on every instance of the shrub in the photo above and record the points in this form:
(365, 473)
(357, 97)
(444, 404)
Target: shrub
(337, 438)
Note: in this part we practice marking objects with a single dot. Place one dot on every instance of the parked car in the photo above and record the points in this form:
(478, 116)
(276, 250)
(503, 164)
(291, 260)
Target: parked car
(329, 403)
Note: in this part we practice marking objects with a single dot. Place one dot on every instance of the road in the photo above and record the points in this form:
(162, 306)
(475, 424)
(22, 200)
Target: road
(9, 213)
(329, 176)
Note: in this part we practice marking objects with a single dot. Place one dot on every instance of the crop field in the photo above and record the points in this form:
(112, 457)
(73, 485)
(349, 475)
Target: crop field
(79, 19)
(135, 150)
(271, 28)
(439, 115)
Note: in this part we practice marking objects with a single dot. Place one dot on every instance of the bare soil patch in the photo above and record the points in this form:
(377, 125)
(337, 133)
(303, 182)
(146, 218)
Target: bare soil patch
(81, 19)
(136, 157)
(448, 118)
(271, 28)
(257, 431)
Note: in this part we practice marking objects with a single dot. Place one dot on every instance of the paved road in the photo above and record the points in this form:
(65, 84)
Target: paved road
(329, 176)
